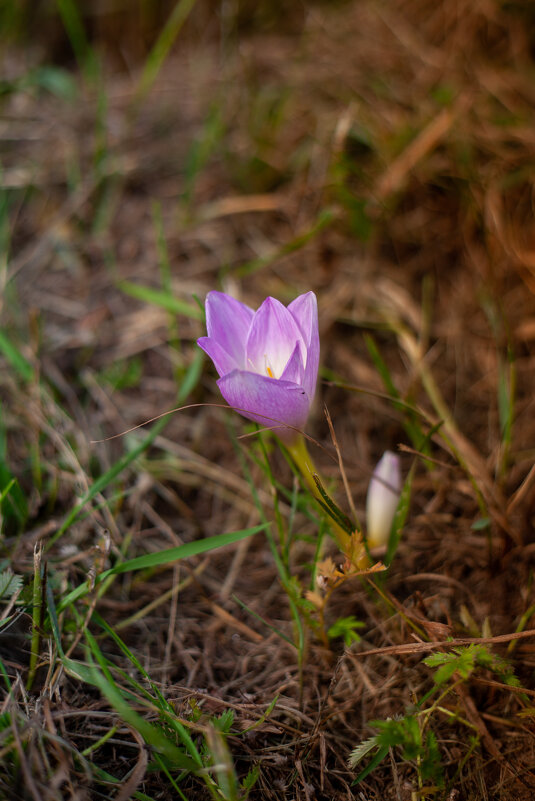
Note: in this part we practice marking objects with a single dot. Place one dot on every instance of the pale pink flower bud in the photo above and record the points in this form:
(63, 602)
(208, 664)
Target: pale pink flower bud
(383, 498)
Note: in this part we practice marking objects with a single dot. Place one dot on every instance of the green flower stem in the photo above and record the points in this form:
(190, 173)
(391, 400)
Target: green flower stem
(37, 613)
(299, 452)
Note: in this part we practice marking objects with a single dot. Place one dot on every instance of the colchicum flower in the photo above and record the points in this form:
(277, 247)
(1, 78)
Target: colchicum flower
(383, 498)
(267, 360)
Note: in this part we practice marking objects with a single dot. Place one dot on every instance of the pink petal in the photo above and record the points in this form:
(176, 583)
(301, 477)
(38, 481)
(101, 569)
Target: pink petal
(304, 310)
(223, 363)
(228, 322)
(272, 338)
(294, 370)
(269, 402)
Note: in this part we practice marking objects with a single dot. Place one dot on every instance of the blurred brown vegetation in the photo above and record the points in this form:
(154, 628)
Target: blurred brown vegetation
(379, 153)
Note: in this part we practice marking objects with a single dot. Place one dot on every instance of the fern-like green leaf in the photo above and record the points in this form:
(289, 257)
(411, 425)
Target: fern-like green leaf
(362, 750)
(10, 583)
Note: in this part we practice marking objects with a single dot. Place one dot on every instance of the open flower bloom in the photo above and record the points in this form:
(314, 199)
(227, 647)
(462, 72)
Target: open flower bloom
(267, 360)
(383, 498)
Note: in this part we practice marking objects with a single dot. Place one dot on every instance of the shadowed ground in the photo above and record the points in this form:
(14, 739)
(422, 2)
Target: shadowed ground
(382, 155)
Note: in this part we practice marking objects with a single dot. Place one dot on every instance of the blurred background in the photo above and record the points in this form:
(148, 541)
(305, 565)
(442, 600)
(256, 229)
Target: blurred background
(378, 152)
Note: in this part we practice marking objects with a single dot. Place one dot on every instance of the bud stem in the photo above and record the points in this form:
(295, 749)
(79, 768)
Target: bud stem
(299, 452)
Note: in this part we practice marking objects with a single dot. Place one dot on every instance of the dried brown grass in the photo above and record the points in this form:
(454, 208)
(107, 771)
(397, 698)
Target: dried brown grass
(444, 95)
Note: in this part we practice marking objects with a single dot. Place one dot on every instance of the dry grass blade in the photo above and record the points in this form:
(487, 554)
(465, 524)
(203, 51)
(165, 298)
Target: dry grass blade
(421, 647)
(137, 775)
(381, 156)
(427, 140)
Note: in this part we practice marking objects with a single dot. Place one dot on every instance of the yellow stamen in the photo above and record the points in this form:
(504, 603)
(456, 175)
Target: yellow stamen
(270, 374)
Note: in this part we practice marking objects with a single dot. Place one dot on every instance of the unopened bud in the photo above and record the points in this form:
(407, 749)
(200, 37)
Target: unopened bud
(383, 498)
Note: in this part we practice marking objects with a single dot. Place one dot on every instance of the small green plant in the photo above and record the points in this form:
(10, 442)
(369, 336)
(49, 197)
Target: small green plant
(412, 733)
(416, 746)
(346, 627)
(11, 593)
(463, 661)
(10, 584)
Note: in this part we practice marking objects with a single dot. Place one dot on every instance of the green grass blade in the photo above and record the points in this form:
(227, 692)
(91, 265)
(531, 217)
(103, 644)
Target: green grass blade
(106, 777)
(74, 26)
(265, 715)
(201, 150)
(96, 618)
(264, 622)
(410, 423)
(53, 618)
(506, 404)
(164, 558)
(5, 676)
(103, 680)
(166, 709)
(165, 770)
(185, 551)
(332, 510)
(221, 765)
(378, 758)
(101, 483)
(160, 298)
(163, 45)
(152, 735)
(400, 517)
(325, 218)
(13, 503)
(192, 377)
(13, 355)
(284, 576)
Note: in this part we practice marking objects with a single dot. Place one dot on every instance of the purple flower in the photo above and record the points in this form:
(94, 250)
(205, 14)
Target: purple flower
(267, 360)
(383, 497)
